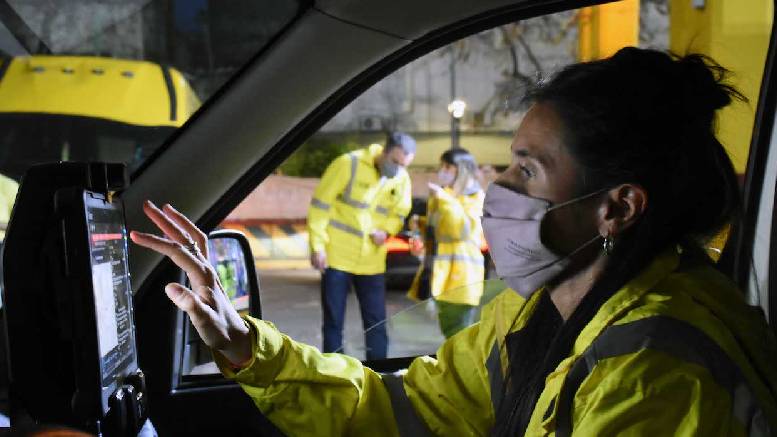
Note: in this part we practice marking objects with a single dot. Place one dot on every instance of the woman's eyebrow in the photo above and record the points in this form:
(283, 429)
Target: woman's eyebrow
(524, 153)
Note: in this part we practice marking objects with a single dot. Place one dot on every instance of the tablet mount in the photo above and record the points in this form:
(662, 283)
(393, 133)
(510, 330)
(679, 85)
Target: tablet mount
(65, 274)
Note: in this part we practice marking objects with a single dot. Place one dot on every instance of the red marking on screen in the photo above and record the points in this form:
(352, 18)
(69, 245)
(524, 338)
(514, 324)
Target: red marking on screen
(106, 237)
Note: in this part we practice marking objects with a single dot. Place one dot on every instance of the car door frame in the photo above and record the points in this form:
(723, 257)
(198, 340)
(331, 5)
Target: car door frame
(191, 405)
(737, 259)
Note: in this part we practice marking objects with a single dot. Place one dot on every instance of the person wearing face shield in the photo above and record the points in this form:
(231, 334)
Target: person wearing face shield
(362, 199)
(453, 238)
(614, 320)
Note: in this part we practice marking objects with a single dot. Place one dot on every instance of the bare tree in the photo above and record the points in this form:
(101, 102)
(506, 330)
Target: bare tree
(524, 51)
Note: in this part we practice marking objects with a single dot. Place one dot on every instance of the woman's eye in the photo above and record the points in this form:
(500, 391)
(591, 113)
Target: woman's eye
(526, 172)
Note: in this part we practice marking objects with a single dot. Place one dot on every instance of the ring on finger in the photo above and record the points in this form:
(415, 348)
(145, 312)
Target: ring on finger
(192, 247)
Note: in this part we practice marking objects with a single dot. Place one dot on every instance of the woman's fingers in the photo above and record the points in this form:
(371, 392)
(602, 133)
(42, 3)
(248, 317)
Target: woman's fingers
(217, 322)
(194, 267)
(205, 319)
(166, 225)
(186, 300)
(187, 226)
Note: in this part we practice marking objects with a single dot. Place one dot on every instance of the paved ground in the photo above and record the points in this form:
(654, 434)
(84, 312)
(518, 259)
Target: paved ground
(291, 299)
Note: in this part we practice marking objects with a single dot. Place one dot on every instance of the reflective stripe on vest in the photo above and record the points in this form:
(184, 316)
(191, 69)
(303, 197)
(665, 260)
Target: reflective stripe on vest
(346, 196)
(460, 258)
(319, 204)
(408, 422)
(495, 377)
(351, 202)
(673, 337)
(445, 239)
(345, 228)
(382, 210)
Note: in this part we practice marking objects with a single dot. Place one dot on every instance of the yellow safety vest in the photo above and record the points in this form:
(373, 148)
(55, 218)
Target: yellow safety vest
(8, 189)
(457, 262)
(676, 351)
(350, 202)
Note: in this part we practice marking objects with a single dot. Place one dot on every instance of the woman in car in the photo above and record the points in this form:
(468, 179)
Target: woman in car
(616, 322)
(453, 267)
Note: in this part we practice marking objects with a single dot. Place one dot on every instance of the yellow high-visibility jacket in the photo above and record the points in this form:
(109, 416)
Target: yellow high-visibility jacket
(457, 262)
(350, 202)
(676, 351)
(8, 189)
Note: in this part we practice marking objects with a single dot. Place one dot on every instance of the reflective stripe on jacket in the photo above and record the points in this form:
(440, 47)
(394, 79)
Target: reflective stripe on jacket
(457, 267)
(349, 203)
(674, 352)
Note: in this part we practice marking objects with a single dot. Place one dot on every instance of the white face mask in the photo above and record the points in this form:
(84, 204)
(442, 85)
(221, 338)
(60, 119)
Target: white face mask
(511, 223)
(445, 178)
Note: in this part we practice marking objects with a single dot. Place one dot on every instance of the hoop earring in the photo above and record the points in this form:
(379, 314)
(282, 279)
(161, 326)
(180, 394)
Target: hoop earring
(608, 244)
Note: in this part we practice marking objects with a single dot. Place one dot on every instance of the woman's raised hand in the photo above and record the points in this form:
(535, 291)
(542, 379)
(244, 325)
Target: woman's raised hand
(209, 309)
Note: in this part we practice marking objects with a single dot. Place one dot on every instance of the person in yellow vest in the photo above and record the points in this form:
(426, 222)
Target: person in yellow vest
(8, 189)
(615, 320)
(453, 237)
(362, 199)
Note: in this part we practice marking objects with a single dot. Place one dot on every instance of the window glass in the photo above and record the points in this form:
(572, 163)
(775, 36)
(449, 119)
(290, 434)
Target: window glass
(93, 80)
(467, 94)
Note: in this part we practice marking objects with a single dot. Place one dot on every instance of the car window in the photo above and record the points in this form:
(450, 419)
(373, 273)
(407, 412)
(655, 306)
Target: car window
(467, 94)
(90, 80)
(421, 327)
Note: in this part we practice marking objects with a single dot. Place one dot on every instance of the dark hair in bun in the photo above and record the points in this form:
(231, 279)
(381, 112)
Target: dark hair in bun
(705, 84)
(642, 117)
(647, 117)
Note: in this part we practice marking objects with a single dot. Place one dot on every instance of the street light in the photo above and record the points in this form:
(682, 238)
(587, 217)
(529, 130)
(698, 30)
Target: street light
(456, 108)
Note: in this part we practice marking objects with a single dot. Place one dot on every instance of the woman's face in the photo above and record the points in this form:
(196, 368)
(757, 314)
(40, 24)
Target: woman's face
(542, 167)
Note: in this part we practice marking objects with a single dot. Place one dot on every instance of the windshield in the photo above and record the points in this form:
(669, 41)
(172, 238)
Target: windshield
(91, 80)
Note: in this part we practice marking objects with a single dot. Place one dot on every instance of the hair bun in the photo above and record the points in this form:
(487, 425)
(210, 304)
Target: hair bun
(703, 85)
(695, 84)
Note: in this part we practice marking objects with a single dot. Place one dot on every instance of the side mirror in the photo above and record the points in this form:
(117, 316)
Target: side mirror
(230, 255)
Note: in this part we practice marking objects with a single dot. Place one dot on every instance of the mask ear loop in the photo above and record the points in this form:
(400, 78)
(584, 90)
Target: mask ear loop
(573, 253)
(586, 244)
(576, 199)
(607, 240)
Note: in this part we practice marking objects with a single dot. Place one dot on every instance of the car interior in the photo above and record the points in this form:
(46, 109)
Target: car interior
(321, 58)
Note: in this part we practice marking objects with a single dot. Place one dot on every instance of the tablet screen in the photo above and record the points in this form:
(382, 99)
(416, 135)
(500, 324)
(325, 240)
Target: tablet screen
(111, 285)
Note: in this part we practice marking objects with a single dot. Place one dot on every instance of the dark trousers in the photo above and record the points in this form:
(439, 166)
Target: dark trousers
(371, 292)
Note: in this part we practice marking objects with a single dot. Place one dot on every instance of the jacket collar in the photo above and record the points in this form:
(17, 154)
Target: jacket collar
(370, 153)
(616, 306)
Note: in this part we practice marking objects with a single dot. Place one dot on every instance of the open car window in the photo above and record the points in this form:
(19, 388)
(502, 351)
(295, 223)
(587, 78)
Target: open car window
(418, 329)
(469, 94)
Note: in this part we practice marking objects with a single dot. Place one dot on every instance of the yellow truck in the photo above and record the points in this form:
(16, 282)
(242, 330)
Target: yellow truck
(84, 108)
